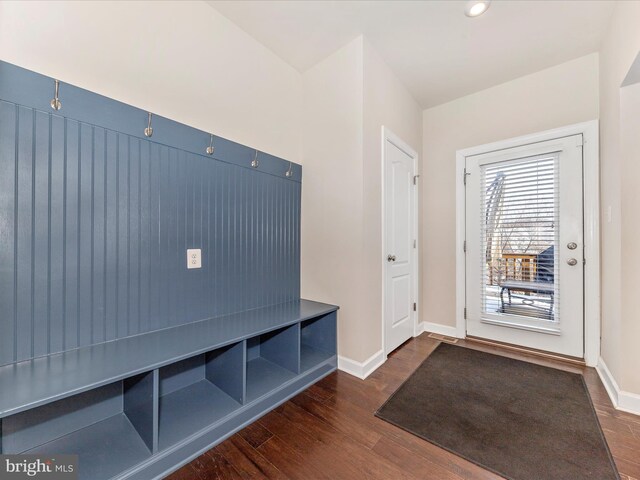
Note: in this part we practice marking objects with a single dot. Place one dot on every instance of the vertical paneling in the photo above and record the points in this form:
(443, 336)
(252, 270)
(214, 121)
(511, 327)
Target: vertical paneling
(133, 238)
(41, 228)
(154, 279)
(85, 234)
(24, 232)
(94, 228)
(110, 236)
(98, 249)
(122, 235)
(71, 250)
(8, 230)
(56, 236)
(145, 227)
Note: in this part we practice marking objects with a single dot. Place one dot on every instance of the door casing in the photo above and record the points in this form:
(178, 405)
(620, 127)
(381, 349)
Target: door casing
(389, 136)
(591, 188)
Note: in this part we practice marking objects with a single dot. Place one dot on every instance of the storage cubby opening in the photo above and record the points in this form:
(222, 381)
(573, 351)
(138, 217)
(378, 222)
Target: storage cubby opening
(92, 424)
(317, 341)
(199, 391)
(273, 358)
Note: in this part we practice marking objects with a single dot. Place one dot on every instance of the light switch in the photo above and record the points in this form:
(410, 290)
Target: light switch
(194, 258)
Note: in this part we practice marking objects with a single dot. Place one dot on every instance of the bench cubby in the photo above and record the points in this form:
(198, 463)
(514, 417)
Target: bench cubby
(110, 427)
(199, 391)
(140, 407)
(317, 340)
(272, 359)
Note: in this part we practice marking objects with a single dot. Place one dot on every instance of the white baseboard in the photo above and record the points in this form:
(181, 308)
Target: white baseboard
(437, 328)
(625, 401)
(361, 369)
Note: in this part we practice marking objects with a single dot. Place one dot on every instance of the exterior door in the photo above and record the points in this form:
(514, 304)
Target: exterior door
(524, 246)
(400, 257)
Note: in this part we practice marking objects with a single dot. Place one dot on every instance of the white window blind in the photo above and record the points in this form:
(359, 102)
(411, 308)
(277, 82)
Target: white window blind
(520, 213)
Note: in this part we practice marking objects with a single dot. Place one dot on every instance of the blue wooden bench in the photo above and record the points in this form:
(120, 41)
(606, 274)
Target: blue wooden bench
(141, 406)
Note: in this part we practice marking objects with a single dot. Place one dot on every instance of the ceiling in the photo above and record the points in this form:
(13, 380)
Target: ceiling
(435, 50)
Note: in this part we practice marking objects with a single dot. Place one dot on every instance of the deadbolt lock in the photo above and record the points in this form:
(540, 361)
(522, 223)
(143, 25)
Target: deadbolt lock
(572, 245)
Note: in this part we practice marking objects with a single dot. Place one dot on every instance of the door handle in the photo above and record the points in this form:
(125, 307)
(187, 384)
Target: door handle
(391, 258)
(572, 262)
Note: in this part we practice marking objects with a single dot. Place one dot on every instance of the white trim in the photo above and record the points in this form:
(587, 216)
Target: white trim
(624, 401)
(461, 272)
(388, 135)
(447, 330)
(591, 184)
(567, 131)
(362, 369)
(591, 179)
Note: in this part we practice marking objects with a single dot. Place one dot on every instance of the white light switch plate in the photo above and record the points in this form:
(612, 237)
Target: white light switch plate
(194, 258)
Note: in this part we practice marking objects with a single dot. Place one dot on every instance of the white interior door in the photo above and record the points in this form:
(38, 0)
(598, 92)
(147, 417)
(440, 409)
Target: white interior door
(524, 244)
(400, 256)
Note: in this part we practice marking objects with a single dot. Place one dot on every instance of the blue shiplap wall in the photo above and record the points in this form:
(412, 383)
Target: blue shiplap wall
(95, 223)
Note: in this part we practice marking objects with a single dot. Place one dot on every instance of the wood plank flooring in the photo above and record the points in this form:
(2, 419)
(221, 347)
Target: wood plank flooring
(329, 432)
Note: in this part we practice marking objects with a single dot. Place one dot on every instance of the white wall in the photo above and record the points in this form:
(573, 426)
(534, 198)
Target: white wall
(332, 189)
(179, 59)
(348, 98)
(620, 181)
(562, 95)
(628, 366)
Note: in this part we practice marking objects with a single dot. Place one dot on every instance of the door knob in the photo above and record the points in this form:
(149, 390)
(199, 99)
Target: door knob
(572, 262)
(572, 245)
(391, 258)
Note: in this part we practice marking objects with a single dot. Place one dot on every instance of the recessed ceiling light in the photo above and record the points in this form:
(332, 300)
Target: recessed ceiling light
(475, 8)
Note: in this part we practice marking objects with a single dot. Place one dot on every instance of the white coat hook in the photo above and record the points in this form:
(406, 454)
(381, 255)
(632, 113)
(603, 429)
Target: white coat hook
(149, 130)
(254, 162)
(210, 148)
(289, 172)
(55, 102)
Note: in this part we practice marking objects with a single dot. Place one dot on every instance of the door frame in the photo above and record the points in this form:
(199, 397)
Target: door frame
(389, 136)
(591, 204)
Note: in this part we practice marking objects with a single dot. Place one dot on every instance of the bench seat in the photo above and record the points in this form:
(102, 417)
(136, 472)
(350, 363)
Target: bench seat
(29, 384)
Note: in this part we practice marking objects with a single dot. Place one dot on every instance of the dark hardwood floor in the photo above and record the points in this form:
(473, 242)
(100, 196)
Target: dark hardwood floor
(329, 432)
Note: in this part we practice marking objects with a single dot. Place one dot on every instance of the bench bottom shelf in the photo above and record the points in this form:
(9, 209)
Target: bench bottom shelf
(190, 409)
(264, 376)
(311, 357)
(104, 449)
